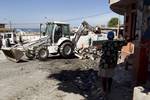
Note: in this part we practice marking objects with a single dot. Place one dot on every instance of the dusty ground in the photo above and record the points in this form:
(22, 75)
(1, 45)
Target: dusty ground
(58, 79)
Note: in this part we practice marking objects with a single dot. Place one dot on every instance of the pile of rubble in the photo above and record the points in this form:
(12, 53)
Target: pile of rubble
(88, 53)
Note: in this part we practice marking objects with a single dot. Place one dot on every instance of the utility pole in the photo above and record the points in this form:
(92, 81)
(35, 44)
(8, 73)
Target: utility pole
(118, 29)
(10, 24)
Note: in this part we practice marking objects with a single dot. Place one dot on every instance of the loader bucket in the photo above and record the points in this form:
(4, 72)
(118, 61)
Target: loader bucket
(13, 54)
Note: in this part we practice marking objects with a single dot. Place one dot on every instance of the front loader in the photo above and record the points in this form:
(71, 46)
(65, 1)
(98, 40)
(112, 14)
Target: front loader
(55, 39)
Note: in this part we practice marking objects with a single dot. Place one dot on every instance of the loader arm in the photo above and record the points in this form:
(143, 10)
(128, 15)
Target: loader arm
(84, 26)
(36, 43)
(16, 53)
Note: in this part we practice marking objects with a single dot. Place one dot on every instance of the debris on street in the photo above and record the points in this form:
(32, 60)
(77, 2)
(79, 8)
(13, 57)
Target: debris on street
(58, 79)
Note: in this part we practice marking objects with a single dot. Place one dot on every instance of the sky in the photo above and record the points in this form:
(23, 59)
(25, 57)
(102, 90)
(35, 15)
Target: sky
(29, 13)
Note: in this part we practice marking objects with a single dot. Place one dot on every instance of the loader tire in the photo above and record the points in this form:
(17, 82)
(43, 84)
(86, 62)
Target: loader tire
(43, 54)
(29, 55)
(66, 50)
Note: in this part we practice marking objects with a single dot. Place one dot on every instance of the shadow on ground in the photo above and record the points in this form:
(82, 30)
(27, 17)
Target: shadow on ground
(60, 57)
(83, 82)
(23, 61)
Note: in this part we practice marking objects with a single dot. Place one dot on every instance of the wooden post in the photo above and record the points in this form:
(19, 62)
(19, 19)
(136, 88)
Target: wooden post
(118, 29)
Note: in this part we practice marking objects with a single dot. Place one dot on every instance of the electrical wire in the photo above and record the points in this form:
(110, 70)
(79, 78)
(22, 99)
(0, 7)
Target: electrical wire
(67, 20)
(85, 17)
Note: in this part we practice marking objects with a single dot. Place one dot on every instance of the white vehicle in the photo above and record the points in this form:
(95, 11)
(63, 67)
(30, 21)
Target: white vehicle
(9, 37)
(55, 39)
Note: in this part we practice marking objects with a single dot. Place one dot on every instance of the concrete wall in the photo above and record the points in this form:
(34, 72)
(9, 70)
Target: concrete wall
(29, 37)
(141, 94)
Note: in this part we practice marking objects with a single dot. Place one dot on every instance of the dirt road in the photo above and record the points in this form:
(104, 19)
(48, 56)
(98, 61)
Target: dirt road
(28, 80)
(55, 79)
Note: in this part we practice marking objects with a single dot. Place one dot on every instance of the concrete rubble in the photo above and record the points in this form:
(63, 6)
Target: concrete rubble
(88, 53)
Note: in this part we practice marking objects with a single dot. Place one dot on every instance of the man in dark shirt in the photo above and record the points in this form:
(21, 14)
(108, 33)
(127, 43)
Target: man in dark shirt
(109, 60)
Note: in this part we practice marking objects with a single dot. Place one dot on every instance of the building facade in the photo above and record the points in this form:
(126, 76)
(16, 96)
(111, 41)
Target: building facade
(136, 13)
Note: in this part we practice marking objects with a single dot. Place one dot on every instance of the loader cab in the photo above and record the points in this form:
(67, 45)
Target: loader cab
(56, 30)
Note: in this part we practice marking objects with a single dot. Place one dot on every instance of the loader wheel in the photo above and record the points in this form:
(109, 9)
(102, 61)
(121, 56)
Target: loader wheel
(66, 49)
(43, 54)
(30, 55)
